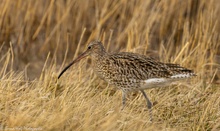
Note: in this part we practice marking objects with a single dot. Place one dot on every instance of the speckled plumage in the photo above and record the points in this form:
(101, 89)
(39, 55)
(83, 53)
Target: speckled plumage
(128, 71)
(131, 71)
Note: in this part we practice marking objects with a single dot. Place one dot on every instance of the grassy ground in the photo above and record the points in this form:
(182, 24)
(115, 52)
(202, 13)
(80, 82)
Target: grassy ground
(38, 38)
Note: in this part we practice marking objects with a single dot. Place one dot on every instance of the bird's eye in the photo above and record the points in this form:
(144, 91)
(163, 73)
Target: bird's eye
(89, 47)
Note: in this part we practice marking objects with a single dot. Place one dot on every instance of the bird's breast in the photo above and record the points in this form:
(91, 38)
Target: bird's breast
(115, 75)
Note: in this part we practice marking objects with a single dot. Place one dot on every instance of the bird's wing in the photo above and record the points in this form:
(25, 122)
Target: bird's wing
(139, 66)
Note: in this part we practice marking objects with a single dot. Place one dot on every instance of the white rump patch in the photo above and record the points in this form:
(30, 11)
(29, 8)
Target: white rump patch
(161, 82)
(180, 76)
(155, 82)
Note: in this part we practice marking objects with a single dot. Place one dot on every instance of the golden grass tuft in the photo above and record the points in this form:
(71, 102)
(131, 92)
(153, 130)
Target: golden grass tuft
(38, 38)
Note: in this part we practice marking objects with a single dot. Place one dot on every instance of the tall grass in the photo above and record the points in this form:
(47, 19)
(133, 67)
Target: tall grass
(38, 38)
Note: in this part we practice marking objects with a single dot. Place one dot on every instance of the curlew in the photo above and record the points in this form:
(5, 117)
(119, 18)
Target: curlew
(130, 71)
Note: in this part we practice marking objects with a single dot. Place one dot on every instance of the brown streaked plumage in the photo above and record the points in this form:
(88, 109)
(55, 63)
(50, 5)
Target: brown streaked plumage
(131, 71)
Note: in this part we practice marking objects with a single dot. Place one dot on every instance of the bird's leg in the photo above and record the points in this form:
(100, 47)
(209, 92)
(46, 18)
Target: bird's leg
(124, 94)
(149, 104)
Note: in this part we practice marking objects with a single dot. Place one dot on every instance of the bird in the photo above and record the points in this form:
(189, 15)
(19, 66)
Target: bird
(131, 71)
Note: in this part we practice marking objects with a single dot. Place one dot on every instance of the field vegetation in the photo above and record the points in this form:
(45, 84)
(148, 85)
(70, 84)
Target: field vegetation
(38, 38)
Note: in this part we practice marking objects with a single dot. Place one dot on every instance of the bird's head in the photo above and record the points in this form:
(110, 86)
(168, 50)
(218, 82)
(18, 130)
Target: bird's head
(94, 49)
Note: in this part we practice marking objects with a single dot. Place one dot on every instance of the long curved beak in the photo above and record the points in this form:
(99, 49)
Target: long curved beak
(84, 54)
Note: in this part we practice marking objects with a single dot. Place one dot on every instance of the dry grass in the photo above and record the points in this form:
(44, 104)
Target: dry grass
(39, 37)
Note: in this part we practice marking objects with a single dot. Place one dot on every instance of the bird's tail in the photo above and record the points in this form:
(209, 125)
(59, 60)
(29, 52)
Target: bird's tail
(177, 69)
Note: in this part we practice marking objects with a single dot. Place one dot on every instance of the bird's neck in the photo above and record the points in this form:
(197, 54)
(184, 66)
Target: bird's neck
(98, 58)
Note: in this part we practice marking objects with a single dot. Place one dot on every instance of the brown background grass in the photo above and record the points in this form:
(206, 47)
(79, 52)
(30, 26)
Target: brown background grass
(38, 38)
